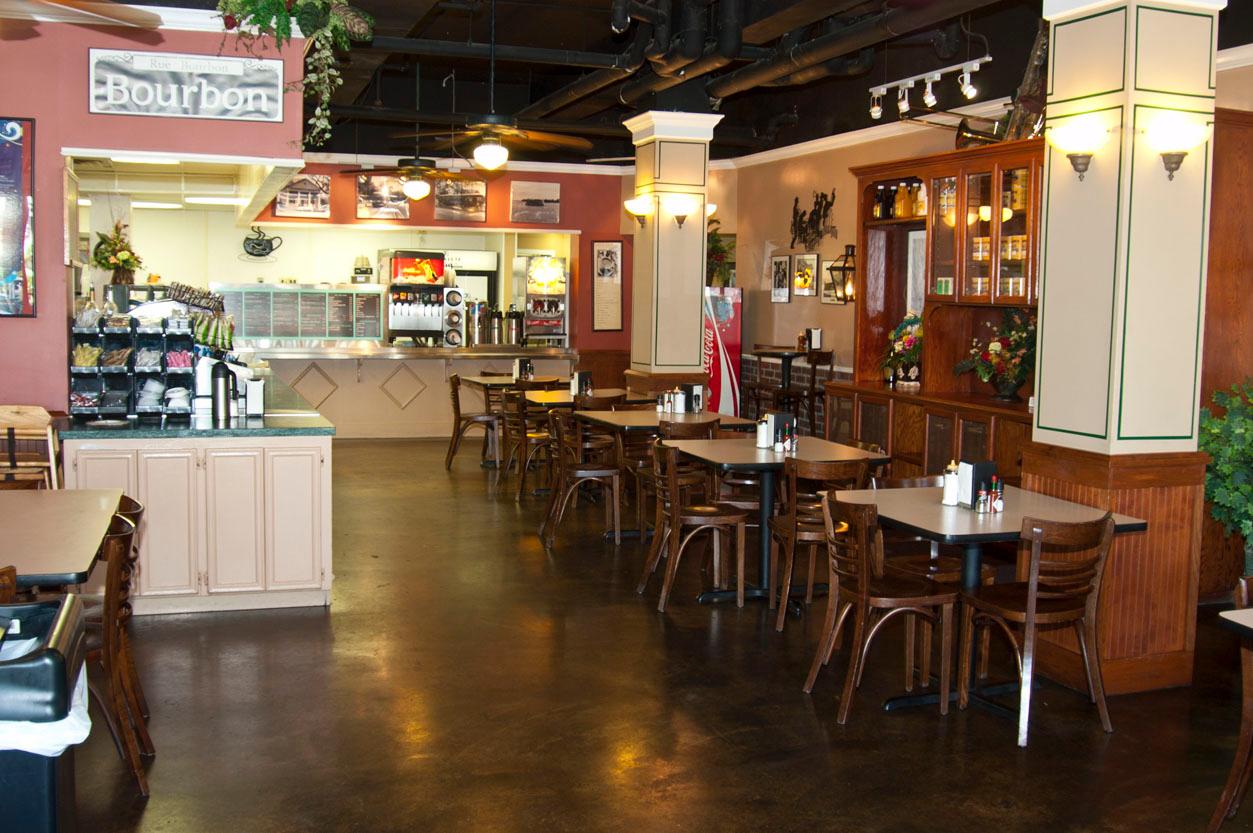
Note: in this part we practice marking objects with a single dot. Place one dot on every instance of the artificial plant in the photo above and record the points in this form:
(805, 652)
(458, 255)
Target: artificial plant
(719, 253)
(1228, 440)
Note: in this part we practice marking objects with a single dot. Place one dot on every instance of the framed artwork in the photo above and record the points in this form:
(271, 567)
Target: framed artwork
(307, 195)
(780, 279)
(607, 285)
(461, 199)
(381, 198)
(805, 274)
(827, 293)
(17, 217)
(535, 202)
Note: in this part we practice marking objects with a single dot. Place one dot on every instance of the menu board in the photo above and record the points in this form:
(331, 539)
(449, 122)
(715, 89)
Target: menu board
(313, 315)
(257, 321)
(367, 316)
(233, 304)
(285, 315)
(339, 315)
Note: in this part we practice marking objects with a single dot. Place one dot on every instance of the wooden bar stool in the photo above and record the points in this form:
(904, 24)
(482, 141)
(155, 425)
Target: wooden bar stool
(1054, 590)
(24, 429)
(462, 422)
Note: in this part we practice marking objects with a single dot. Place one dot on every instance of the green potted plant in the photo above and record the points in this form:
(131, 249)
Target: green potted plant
(1007, 358)
(719, 254)
(903, 357)
(1227, 438)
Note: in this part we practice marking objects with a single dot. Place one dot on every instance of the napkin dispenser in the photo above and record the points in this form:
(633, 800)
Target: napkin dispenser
(580, 383)
(970, 476)
(779, 423)
(523, 369)
(694, 397)
(813, 336)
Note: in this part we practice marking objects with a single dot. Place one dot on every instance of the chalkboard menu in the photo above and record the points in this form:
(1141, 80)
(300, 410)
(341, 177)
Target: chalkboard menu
(283, 312)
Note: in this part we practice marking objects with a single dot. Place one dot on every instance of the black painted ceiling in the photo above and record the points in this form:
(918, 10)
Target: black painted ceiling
(754, 120)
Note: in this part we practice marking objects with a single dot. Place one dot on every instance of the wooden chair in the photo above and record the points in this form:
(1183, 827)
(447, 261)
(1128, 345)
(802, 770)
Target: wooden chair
(1062, 588)
(1241, 767)
(28, 445)
(811, 394)
(572, 468)
(801, 520)
(526, 438)
(878, 470)
(861, 589)
(8, 585)
(133, 511)
(113, 689)
(462, 422)
(678, 522)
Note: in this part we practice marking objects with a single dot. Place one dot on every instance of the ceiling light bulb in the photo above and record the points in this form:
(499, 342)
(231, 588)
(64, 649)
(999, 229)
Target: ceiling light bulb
(417, 188)
(491, 154)
(928, 97)
(156, 205)
(876, 107)
(84, 202)
(902, 101)
(968, 89)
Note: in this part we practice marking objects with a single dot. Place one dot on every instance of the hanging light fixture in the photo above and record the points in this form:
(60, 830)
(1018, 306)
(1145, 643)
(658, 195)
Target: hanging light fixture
(876, 102)
(491, 154)
(902, 99)
(416, 188)
(928, 96)
(968, 89)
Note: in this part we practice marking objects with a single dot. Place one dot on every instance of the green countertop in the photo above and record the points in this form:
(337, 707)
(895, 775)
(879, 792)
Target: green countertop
(287, 414)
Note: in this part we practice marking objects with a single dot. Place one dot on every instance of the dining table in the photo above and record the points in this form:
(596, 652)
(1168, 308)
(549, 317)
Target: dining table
(919, 511)
(52, 535)
(744, 456)
(562, 398)
(632, 422)
(506, 381)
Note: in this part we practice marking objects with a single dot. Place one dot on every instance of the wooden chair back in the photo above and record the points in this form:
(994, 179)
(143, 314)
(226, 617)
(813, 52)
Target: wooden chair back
(671, 430)
(513, 408)
(133, 511)
(454, 395)
(532, 384)
(928, 482)
(874, 448)
(28, 444)
(816, 359)
(634, 406)
(493, 399)
(116, 550)
(801, 478)
(1065, 561)
(856, 552)
(666, 481)
(8, 585)
(593, 402)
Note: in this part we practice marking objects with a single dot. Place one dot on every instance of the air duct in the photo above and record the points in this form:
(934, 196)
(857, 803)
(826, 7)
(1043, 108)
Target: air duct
(633, 59)
(687, 41)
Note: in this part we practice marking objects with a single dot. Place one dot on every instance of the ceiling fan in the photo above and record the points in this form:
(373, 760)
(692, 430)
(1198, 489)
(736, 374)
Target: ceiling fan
(80, 11)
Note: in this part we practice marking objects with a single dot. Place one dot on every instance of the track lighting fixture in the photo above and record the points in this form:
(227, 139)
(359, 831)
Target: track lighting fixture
(929, 80)
(902, 100)
(928, 96)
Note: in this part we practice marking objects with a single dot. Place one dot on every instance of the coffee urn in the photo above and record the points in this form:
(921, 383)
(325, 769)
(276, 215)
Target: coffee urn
(513, 326)
(496, 328)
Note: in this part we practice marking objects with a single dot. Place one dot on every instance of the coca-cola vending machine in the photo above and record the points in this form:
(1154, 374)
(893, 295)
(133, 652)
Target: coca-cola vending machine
(721, 348)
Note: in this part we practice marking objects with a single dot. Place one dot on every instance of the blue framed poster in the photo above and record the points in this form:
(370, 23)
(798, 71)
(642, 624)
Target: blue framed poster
(17, 217)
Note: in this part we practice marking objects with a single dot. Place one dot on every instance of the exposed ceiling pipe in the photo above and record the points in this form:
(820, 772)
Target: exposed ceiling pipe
(867, 32)
(846, 67)
(592, 82)
(518, 54)
(662, 28)
(728, 29)
(687, 41)
(622, 12)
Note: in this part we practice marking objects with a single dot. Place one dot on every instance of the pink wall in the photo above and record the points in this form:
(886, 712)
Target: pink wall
(590, 203)
(45, 65)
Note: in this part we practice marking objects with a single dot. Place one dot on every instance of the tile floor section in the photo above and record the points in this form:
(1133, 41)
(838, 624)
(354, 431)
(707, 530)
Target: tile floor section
(467, 680)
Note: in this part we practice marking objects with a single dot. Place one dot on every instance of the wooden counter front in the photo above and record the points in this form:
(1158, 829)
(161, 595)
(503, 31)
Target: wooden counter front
(922, 432)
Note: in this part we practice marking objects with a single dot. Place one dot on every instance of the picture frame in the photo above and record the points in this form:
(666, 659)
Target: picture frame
(461, 199)
(535, 202)
(805, 274)
(607, 285)
(780, 279)
(306, 195)
(827, 292)
(17, 217)
(381, 198)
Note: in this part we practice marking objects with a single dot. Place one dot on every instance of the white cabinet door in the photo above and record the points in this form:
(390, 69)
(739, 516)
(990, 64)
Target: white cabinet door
(169, 559)
(293, 519)
(103, 470)
(235, 540)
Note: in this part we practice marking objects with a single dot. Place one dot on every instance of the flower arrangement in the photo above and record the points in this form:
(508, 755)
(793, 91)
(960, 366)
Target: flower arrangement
(1008, 357)
(113, 253)
(904, 343)
(327, 25)
(1227, 437)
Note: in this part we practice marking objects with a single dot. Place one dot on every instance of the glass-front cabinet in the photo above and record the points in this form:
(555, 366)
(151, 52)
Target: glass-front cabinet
(976, 282)
(942, 276)
(1016, 239)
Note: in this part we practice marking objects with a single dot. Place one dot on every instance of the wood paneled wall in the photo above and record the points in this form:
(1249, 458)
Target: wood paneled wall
(606, 366)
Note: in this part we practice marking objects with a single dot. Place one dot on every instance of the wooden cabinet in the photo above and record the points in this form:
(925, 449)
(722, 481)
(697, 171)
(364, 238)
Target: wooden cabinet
(228, 524)
(941, 433)
(841, 415)
(873, 421)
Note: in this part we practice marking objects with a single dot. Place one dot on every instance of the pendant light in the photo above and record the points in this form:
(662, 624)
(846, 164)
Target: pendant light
(490, 153)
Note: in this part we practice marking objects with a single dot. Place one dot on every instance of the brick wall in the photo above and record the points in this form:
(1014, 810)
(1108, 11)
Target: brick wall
(768, 372)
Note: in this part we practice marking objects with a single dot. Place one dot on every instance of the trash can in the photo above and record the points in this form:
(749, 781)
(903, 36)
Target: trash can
(43, 713)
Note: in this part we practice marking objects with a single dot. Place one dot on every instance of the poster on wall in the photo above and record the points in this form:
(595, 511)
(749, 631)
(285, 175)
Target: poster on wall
(607, 285)
(461, 199)
(805, 274)
(307, 195)
(175, 85)
(535, 202)
(780, 279)
(381, 198)
(17, 217)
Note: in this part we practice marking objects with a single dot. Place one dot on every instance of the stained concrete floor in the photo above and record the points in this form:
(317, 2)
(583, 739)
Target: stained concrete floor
(466, 680)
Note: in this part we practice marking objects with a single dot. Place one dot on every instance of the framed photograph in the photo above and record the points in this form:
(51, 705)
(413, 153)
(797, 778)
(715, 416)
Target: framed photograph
(307, 195)
(461, 199)
(535, 202)
(381, 198)
(607, 285)
(805, 274)
(827, 293)
(17, 217)
(780, 279)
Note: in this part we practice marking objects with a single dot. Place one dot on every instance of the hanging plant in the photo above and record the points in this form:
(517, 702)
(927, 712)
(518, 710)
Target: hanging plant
(327, 25)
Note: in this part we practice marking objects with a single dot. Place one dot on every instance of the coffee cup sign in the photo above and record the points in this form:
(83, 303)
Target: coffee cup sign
(259, 244)
(185, 86)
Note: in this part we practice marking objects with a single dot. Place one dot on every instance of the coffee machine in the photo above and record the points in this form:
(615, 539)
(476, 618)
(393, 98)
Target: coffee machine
(415, 311)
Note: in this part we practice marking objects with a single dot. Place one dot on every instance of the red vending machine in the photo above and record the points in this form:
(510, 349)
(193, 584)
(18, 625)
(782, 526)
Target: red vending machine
(721, 348)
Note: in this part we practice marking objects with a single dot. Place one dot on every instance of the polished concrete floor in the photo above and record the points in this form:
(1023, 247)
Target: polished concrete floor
(466, 680)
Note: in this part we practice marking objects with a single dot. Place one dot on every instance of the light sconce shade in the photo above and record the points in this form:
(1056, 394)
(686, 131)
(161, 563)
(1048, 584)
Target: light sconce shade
(1172, 135)
(843, 272)
(1079, 138)
(640, 207)
(416, 188)
(680, 206)
(491, 154)
(711, 208)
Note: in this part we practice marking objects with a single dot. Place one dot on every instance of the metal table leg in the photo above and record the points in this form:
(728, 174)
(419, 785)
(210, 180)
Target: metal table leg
(764, 513)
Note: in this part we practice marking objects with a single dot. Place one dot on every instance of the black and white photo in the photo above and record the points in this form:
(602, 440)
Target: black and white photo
(461, 199)
(535, 202)
(381, 198)
(307, 195)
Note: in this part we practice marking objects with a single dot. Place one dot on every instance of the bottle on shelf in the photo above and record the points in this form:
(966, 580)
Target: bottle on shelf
(904, 206)
(876, 209)
(889, 202)
(920, 200)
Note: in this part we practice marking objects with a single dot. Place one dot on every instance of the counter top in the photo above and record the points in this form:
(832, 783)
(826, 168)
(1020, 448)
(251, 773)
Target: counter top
(378, 350)
(287, 414)
(972, 401)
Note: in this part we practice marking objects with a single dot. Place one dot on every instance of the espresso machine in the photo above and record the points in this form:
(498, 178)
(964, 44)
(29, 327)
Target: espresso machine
(544, 318)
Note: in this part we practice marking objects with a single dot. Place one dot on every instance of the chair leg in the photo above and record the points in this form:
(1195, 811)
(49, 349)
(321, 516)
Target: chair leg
(925, 629)
(525, 456)
(1092, 663)
(910, 629)
(785, 581)
(1028, 672)
(617, 511)
(672, 567)
(137, 722)
(1237, 779)
(774, 566)
(740, 529)
(133, 676)
(809, 584)
(117, 701)
(964, 647)
(101, 696)
(660, 530)
(825, 644)
(855, 655)
(946, 655)
(454, 443)
(985, 649)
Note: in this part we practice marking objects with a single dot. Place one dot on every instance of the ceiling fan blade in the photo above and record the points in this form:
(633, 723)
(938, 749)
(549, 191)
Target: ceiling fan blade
(611, 159)
(556, 140)
(388, 171)
(420, 134)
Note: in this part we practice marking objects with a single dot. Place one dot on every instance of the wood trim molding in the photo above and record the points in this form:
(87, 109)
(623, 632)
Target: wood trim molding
(646, 382)
(1119, 471)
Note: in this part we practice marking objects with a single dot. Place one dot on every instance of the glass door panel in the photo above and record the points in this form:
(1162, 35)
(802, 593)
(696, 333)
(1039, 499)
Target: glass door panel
(943, 224)
(977, 280)
(1015, 196)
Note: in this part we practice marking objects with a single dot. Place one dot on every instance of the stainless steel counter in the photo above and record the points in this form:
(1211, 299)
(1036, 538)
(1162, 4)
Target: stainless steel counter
(315, 350)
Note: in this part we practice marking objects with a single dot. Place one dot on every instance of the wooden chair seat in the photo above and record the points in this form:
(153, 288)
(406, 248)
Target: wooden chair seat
(892, 590)
(704, 512)
(1009, 602)
(943, 568)
(807, 530)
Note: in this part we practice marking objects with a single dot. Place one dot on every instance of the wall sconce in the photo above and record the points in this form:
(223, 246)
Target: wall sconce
(1079, 138)
(641, 207)
(843, 272)
(1173, 134)
(679, 206)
